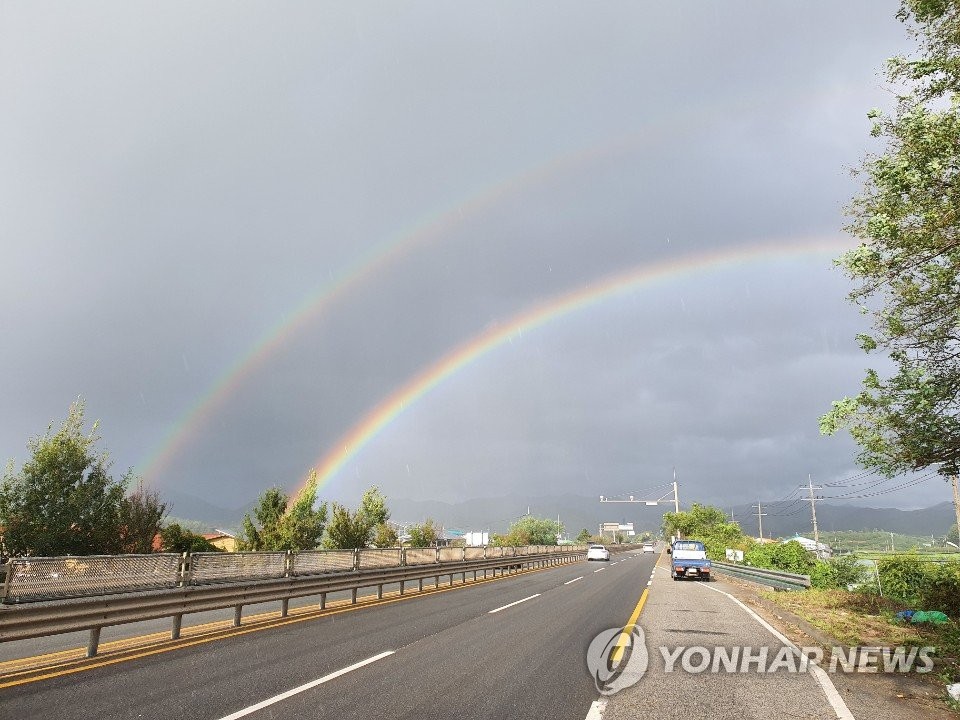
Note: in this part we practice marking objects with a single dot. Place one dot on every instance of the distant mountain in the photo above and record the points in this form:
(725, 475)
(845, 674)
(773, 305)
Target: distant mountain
(187, 506)
(577, 512)
(936, 519)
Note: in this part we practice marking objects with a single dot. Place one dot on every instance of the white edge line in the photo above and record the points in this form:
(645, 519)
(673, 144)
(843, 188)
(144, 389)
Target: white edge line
(307, 686)
(596, 710)
(574, 580)
(504, 607)
(829, 689)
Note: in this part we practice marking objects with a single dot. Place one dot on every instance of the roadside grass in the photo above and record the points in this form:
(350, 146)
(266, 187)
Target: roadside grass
(866, 619)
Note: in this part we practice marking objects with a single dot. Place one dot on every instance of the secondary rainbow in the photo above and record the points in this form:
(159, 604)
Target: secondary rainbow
(429, 229)
(419, 386)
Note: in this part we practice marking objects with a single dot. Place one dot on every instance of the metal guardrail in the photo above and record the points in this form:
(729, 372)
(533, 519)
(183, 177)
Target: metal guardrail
(763, 576)
(38, 619)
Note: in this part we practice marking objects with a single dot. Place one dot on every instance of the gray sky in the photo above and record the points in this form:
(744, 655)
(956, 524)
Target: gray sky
(178, 178)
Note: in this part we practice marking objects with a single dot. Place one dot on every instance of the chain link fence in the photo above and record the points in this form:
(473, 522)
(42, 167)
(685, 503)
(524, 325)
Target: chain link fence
(316, 562)
(55, 578)
(218, 567)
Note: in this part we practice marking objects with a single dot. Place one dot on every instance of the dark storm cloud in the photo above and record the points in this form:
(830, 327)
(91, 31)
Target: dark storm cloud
(178, 179)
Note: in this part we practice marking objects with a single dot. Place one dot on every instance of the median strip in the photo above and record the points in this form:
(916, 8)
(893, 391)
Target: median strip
(306, 686)
(517, 602)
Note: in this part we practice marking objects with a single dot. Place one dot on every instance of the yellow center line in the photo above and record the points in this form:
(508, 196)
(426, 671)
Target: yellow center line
(307, 613)
(626, 634)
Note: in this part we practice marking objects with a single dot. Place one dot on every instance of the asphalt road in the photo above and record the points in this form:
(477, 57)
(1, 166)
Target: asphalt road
(508, 648)
(450, 656)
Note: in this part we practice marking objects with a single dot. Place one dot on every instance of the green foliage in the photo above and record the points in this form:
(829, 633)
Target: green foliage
(424, 535)
(839, 572)
(347, 530)
(953, 536)
(174, 538)
(907, 269)
(63, 501)
(583, 537)
(282, 525)
(530, 530)
(373, 507)
(384, 535)
(141, 515)
(789, 557)
(708, 525)
(922, 585)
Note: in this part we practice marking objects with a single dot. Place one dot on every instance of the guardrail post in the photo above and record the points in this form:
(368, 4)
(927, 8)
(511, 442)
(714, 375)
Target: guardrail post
(8, 578)
(186, 570)
(237, 612)
(379, 592)
(93, 642)
(353, 596)
(420, 584)
(323, 601)
(401, 587)
(175, 629)
(284, 607)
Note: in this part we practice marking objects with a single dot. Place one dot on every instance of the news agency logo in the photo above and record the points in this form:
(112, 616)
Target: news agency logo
(617, 659)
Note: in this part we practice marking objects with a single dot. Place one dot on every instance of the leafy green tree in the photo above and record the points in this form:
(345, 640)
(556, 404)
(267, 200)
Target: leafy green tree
(907, 268)
(282, 525)
(954, 536)
(347, 530)
(302, 526)
(141, 516)
(174, 538)
(373, 507)
(530, 530)
(709, 525)
(63, 500)
(424, 535)
(264, 534)
(583, 537)
(384, 535)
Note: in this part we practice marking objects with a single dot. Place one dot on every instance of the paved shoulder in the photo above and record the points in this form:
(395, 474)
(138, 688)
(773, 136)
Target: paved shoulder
(707, 657)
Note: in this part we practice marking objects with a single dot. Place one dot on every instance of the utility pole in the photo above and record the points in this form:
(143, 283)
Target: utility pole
(813, 512)
(760, 515)
(676, 496)
(956, 495)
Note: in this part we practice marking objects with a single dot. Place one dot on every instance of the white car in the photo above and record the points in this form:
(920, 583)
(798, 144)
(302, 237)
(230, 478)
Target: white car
(648, 548)
(598, 552)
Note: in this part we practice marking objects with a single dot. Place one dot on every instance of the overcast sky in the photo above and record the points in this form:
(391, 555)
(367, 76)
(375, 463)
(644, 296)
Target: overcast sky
(177, 179)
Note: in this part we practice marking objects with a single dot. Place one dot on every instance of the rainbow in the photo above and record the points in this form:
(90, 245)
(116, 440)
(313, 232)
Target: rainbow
(379, 257)
(365, 431)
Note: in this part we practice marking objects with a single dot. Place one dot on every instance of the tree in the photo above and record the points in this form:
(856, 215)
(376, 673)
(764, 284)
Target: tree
(907, 268)
(347, 530)
(268, 512)
(174, 538)
(63, 500)
(954, 536)
(302, 526)
(709, 525)
(424, 534)
(584, 536)
(530, 530)
(141, 516)
(282, 525)
(373, 507)
(385, 536)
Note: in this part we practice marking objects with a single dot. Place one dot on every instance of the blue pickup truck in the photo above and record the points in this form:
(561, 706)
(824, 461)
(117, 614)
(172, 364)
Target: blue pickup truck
(689, 560)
